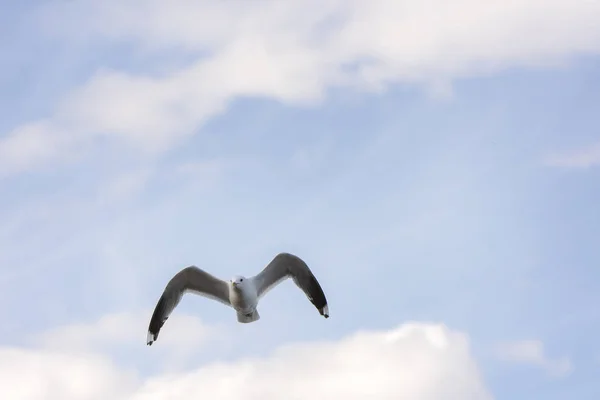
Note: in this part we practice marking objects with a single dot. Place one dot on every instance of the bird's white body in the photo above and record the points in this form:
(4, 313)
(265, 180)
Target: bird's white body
(243, 300)
(243, 297)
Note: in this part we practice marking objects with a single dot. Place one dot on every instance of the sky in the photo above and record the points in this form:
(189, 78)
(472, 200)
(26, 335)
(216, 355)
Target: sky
(436, 164)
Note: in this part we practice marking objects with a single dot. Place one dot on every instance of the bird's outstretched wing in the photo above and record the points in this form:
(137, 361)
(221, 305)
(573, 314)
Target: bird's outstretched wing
(191, 279)
(284, 266)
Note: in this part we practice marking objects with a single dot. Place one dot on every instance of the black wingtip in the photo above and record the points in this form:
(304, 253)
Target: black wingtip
(156, 322)
(317, 296)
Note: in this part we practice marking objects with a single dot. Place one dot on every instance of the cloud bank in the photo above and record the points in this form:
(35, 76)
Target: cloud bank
(413, 361)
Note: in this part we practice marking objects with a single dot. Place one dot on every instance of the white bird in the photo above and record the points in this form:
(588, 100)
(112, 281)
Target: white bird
(240, 293)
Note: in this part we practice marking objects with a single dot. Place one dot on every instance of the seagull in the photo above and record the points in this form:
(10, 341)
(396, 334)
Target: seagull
(240, 293)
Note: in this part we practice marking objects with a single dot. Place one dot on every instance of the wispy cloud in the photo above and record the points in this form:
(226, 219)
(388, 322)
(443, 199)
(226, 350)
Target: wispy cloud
(583, 158)
(532, 352)
(185, 332)
(292, 53)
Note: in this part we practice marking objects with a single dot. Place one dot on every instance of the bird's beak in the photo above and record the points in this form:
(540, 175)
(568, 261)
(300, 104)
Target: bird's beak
(234, 283)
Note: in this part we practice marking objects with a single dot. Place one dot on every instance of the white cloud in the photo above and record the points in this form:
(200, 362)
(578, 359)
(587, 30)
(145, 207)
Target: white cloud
(184, 332)
(48, 375)
(186, 339)
(291, 51)
(532, 352)
(582, 158)
(413, 361)
(30, 145)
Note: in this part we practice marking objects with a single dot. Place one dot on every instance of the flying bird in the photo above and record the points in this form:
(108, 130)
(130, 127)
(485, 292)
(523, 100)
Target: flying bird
(240, 293)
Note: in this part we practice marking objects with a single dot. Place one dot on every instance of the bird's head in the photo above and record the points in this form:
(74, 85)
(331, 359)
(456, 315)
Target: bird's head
(238, 281)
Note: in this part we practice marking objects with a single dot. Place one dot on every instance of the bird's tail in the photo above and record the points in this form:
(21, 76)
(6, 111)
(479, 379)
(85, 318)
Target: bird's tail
(247, 318)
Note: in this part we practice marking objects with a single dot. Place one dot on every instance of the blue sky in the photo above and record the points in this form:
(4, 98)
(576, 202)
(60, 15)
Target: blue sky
(444, 186)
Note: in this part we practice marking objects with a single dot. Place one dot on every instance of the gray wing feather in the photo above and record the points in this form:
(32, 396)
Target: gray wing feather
(286, 265)
(191, 279)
